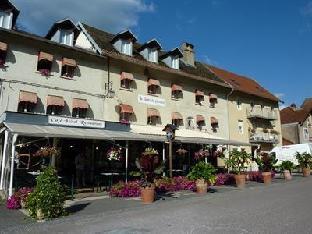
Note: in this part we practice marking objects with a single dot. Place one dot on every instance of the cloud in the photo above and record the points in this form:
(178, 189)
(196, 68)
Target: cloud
(208, 60)
(307, 9)
(113, 15)
(279, 95)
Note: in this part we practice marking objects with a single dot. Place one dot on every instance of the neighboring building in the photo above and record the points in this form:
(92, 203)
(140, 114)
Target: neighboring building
(253, 112)
(297, 123)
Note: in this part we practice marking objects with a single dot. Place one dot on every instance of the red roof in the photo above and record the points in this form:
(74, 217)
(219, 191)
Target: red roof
(243, 84)
(293, 115)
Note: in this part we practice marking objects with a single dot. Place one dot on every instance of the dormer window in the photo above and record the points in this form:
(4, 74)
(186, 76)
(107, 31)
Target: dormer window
(152, 55)
(126, 47)
(149, 50)
(175, 62)
(66, 37)
(6, 19)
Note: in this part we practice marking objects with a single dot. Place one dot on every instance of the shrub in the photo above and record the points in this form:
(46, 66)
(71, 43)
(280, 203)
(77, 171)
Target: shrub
(130, 189)
(48, 195)
(287, 165)
(304, 159)
(204, 171)
(266, 162)
(238, 160)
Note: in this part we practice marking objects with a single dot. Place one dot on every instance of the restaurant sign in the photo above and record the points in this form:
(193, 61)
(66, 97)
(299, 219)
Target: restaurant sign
(154, 101)
(72, 122)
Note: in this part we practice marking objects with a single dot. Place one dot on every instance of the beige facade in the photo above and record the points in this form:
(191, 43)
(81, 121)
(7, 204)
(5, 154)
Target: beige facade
(298, 133)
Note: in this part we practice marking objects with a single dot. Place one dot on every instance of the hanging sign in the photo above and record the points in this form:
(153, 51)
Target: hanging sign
(73, 122)
(153, 101)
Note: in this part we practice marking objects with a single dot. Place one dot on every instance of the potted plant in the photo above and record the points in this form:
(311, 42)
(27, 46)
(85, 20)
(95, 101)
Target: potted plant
(266, 164)
(287, 167)
(48, 198)
(305, 161)
(202, 172)
(237, 162)
(150, 166)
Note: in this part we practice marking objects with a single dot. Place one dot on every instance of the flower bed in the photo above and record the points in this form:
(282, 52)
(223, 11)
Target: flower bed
(225, 179)
(121, 189)
(177, 183)
(19, 197)
(257, 176)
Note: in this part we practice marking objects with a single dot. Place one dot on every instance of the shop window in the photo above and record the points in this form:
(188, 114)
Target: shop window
(26, 107)
(54, 110)
(80, 113)
(68, 71)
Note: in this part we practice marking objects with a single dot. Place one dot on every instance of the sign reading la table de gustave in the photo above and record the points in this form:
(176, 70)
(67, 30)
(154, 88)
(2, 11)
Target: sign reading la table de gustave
(151, 100)
(86, 123)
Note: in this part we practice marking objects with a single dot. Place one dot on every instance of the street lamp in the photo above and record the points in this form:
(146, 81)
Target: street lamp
(170, 134)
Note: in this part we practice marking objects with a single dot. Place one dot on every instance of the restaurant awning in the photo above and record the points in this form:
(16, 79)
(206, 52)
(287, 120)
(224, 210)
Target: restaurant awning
(153, 82)
(80, 103)
(26, 96)
(3, 46)
(126, 76)
(55, 101)
(69, 62)
(45, 56)
(152, 112)
(176, 88)
(176, 116)
(126, 108)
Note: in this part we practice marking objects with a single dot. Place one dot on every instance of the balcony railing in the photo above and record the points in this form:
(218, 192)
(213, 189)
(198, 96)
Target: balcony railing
(261, 113)
(261, 137)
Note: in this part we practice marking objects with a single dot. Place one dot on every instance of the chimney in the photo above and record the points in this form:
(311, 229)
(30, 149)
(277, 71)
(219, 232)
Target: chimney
(188, 54)
(293, 106)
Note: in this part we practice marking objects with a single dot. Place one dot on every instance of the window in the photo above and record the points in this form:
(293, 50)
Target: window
(126, 84)
(80, 112)
(66, 37)
(239, 104)
(152, 89)
(44, 63)
(3, 53)
(68, 71)
(305, 134)
(6, 19)
(190, 123)
(240, 127)
(175, 63)
(26, 107)
(54, 110)
(152, 120)
(213, 99)
(126, 47)
(176, 91)
(152, 55)
(199, 99)
(177, 122)
(124, 117)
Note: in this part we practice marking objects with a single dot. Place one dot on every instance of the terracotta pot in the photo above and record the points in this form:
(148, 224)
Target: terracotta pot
(306, 172)
(40, 215)
(287, 175)
(267, 177)
(240, 180)
(148, 195)
(201, 186)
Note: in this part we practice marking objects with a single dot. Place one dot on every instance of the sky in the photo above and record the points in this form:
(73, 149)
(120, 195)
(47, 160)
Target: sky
(269, 41)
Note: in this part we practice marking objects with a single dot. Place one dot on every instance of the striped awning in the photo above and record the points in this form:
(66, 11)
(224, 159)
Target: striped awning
(45, 56)
(80, 103)
(152, 112)
(26, 96)
(126, 76)
(126, 109)
(55, 101)
(214, 120)
(3, 46)
(69, 62)
(213, 96)
(153, 82)
(200, 118)
(199, 93)
(176, 87)
(176, 116)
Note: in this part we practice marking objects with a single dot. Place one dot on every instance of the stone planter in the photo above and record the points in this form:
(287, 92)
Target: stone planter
(306, 172)
(148, 195)
(267, 177)
(201, 186)
(287, 175)
(240, 180)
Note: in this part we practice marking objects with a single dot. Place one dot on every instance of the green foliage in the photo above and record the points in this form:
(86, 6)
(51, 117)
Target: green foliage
(48, 195)
(266, 162)
(304, 159)
(204, 171)
(287, 165)
(238, 160)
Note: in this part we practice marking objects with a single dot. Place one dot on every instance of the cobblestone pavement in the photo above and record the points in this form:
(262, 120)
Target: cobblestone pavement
(283, 207)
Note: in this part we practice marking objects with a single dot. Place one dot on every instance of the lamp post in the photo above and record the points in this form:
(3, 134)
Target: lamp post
(170, 134)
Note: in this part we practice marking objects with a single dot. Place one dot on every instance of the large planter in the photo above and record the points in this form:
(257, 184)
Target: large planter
(306, 172)
(240, 180)
(267, 177)
(148, 194)
(201, 186)
(287, 175)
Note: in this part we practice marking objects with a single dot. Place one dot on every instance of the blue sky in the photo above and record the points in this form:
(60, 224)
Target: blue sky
(270, 41)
